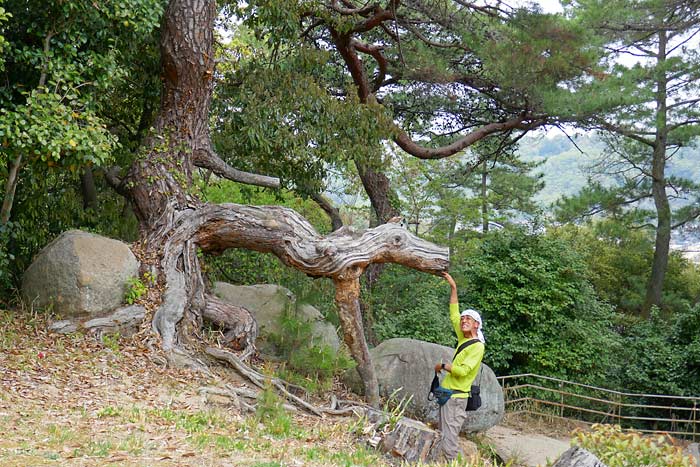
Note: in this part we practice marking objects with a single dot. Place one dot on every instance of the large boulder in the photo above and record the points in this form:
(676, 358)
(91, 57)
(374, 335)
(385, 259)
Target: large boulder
(269, 303)
(80, 274)
(407, 365)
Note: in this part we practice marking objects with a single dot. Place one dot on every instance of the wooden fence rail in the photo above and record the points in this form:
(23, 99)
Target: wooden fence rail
(648, 413)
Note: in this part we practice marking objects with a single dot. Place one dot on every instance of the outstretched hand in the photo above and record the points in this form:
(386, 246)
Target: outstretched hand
(449, 278)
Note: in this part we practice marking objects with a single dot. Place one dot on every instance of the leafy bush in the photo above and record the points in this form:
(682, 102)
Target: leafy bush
(653, 365)
(617, 449)
(541, 314)
(619, 261)
(662, 354)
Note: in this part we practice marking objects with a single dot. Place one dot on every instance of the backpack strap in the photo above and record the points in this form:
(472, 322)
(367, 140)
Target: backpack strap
(464, 346)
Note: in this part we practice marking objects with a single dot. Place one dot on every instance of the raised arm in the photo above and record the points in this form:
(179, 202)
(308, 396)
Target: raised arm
(453, 285)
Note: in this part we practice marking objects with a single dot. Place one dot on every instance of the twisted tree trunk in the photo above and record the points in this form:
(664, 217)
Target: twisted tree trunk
(175, 226)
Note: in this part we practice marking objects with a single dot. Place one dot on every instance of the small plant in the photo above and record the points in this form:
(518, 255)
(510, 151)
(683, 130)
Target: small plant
(616, 448)
(361, 426)
(394, 408)
(314, 361)
(111, 341)
(135, 444)
(108, 412)
(135, 290)
(270, 412)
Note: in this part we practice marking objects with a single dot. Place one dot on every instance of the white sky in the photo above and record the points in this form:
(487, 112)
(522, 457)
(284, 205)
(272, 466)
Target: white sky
(548, 6)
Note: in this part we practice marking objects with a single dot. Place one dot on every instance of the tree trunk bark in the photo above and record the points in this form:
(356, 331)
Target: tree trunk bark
(663, 233)
(378, 189)
(347, 296)
(88, 190)
(658, 187)
(329, 209)
(484, 202)
(10, 187)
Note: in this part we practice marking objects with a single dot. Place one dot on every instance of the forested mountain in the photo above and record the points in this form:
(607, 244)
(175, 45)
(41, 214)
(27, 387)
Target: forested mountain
(568, 163)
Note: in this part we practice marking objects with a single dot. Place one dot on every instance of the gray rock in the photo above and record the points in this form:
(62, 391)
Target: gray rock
(409, 364)
(268, 303)
(64, 326)
(578, 457)
(80, 274)
(321, 329)
(525, 448)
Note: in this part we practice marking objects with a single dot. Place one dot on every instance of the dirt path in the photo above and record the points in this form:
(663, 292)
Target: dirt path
(525, 449)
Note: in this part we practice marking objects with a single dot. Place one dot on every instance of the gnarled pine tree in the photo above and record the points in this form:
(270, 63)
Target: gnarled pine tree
(175, 225)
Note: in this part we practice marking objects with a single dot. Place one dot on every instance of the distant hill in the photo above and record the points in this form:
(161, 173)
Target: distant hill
(565, 167)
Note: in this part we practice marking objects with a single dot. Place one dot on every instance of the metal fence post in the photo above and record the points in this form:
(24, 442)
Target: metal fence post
(695, 418)
(619, 410)
(561, 399)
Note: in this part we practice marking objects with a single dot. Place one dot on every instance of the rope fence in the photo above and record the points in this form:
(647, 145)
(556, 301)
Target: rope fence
(648, 413)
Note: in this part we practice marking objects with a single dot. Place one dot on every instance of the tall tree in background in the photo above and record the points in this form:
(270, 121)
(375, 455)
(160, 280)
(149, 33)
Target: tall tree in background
(653, 82)
(441, 195)
(504, 185)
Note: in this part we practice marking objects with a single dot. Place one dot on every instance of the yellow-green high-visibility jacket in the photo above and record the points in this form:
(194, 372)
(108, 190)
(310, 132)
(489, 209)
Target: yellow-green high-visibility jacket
(466, 366)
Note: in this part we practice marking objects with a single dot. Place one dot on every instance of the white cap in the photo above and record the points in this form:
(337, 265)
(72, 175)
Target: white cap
(476, 317)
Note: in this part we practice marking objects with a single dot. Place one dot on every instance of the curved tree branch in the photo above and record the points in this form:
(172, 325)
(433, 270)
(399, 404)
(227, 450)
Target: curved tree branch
(328, 208)
(286, 234)
(208, 159)
(407, 144)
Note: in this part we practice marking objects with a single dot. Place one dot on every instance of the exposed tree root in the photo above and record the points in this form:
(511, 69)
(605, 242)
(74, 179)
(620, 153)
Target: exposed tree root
(259, 380)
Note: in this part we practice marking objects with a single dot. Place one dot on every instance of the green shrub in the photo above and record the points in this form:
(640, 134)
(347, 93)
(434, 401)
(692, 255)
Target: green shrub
(619, 260)
(541, 314)
(617, 449)
(136, 288)
(6, 259)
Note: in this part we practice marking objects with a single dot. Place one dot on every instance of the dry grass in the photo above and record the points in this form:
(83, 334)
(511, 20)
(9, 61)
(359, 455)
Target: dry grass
(77, 401)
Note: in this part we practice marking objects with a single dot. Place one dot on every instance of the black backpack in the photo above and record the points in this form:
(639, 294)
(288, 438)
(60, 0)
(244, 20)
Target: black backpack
(474, 401)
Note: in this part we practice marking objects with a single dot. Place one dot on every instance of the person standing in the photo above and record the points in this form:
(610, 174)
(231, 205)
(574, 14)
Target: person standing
(461, 373)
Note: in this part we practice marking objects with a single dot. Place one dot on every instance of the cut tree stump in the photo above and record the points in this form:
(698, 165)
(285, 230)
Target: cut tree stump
(410, 440)
(578, 457)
